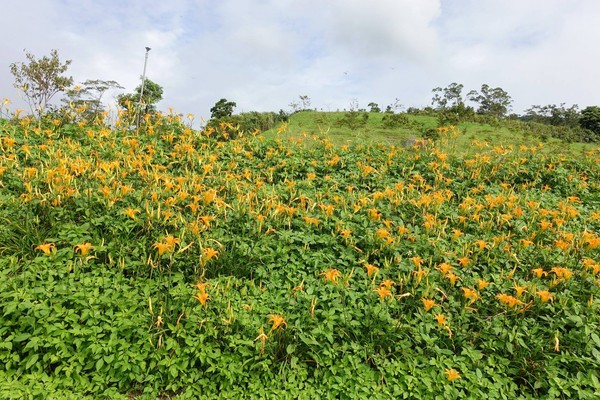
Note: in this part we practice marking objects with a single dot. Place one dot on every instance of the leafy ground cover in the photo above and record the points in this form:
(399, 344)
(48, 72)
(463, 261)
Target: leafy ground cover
(174, 263)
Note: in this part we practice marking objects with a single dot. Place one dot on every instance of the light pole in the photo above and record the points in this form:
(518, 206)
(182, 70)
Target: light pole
(142, 91)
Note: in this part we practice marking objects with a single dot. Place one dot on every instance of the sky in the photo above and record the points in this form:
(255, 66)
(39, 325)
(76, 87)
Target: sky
(264, 54)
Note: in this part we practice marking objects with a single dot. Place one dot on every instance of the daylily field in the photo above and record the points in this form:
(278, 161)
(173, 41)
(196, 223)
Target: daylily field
(174, 263)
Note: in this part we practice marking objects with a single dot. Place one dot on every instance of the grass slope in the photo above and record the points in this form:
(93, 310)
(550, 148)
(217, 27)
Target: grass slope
(507, 133)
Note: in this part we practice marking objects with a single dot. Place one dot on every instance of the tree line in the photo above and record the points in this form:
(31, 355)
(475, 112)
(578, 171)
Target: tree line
(42, 79)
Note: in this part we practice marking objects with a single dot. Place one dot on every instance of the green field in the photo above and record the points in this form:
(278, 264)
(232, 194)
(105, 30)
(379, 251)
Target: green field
(316, 260)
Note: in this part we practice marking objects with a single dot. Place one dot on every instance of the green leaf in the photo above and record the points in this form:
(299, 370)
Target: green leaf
(595, 338)
(32, 360)
(22, 337)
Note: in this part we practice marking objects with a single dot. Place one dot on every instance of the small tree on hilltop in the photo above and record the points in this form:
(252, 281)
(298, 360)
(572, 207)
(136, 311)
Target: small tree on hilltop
(451, 96)
(41, 79)
(492, 101)
(88, 95)
(222, 108)
(152, 94)
(374, 107)
(590, 119)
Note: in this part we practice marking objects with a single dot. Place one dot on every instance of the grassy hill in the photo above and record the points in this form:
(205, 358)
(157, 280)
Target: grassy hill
(314, 261)
(331, 125)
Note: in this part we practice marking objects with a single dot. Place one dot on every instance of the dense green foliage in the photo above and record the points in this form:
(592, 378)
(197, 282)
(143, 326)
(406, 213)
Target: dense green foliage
(175, 263)
(590, 119)
(152, 94)
(222, 108)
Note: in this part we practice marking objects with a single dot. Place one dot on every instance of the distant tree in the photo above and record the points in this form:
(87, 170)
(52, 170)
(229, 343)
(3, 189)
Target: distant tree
(40, 80)
(449, 104)
(152, 94)
(450, 96)
(552, 114)
(305, 102)
(374, 107)
(295, 106)
(222, 108)
(88, 95)
(492, 101)
(590, 119)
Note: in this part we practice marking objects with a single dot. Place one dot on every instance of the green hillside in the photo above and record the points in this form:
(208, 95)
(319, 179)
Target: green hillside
(332, 126)
(317, 260)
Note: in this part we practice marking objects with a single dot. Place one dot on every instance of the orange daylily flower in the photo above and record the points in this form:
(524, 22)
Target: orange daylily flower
(371, 269)
(83, 248)
(209, 253)
(510, 301)
(470, 294)
(332, 275)
(276, 321)
(482, 284)
(464, 261)
(46, 248)
(441, 319)
(383, 292)
(452, 374)
(202, 297)
(545, 295)
(428, 303)
(161, 247)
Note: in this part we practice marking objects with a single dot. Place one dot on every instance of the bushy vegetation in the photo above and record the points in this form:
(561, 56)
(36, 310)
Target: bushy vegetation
(171, 262)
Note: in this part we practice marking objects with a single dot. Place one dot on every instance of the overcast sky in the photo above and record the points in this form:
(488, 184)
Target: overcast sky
(263, 54)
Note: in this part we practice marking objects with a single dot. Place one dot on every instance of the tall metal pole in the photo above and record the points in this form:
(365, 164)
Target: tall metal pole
(142, 91)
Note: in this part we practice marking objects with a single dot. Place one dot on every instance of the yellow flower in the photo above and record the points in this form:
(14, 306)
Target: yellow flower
(171, 241)
(545, 295)
(276, 321)
(445, 268)
(345, 233)
(420, 274)
(417, 261)
(332, 275)
(456, 233)
(508, 300)
(539, 272)
(311, 221)
(519, 289)
(470, 294)
(441, 319)
(452, 278)
(84, 248)
(388, 283)
(481, 244)
(201, 286)
(482, 284)
(161, 247)
(382, 233)
(544, 225)
(130, 212)
(209, 253)
(452, 374)
(202, 297)
(383, 292)
(428, 303)
(371, 269)
(46, 248)
(562, 273)
(464, 261)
